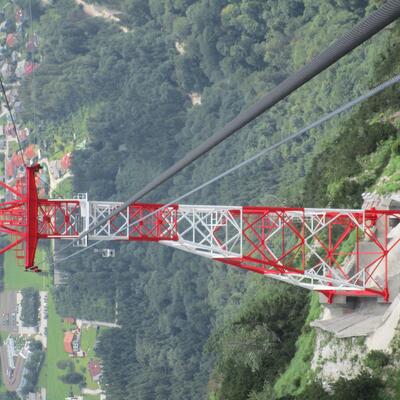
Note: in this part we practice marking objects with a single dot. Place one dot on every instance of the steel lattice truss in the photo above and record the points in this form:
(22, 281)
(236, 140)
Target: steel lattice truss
(333, 251)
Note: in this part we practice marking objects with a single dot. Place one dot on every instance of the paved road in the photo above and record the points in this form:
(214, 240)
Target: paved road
(13, 382)
(84, 322)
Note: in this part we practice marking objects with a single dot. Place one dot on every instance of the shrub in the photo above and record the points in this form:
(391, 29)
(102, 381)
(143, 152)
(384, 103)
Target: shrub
(396, 147)
(376, 359)
(73, 378)
(64, 364)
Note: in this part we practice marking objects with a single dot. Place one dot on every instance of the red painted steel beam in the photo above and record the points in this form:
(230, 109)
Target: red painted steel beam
(31, 235)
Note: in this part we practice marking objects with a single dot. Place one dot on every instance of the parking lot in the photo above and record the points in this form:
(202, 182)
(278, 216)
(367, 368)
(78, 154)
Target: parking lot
(8, 311)
(43, 316)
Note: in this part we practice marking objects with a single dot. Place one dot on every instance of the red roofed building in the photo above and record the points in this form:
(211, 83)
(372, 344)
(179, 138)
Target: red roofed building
(10, 169)
(10, 40)
(95, 369)
(30, 67)
(65, 162)
(30, 152)
(17, 160)
(68, 338)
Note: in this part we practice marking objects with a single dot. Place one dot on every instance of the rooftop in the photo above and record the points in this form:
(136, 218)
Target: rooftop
(68, 338)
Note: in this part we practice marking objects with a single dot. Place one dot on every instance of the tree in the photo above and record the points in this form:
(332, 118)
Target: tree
(73, 378)
(364, 386)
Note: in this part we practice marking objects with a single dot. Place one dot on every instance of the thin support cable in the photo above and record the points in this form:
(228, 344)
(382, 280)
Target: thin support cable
(360, 33)
(33, 96)
(253, 158)
(12, 121)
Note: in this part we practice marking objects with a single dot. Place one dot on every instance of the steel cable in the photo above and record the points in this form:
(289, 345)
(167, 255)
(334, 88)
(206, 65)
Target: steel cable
(361, 32)
(253, 158)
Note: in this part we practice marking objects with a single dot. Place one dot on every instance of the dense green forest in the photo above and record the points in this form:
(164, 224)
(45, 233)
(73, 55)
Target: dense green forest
(192, 329)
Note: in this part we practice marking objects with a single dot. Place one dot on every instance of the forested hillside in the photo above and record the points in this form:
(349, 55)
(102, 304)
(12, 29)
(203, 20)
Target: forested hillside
(192, 329)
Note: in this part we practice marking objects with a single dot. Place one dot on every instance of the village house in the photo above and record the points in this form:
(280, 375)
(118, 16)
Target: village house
(30, 67)
(14, 166)
(10, 170)
(72, 343)
(17, 160)
(95, 369)
(11, 40)
(30, 154)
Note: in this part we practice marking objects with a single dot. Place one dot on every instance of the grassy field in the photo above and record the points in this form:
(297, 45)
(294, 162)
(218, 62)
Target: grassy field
(50, 374)
(64, 189)
(13, 148)
(88, 341)
(15, 277)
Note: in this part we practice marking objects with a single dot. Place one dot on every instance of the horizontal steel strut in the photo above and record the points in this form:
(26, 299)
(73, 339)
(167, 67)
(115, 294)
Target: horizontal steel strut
(333, 251)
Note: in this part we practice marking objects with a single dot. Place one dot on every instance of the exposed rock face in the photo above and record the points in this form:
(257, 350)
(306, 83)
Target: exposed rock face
(351, 327)
(195, 98)
(335, 358)
(180, 47)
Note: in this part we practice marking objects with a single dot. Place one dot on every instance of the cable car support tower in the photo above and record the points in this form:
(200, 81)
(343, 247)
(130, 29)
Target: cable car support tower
(332, 251)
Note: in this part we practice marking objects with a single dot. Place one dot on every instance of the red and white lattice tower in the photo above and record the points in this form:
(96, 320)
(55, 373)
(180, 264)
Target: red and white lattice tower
(332, 251)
